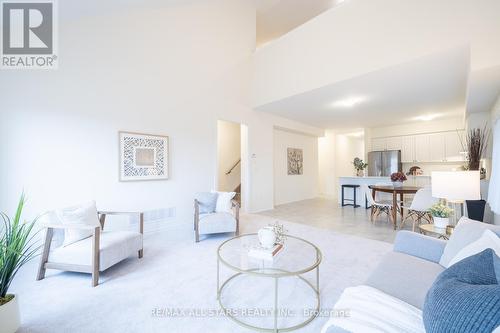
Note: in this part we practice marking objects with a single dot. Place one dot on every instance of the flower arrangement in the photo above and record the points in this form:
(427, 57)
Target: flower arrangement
(441, 210)
(359, 164)
(280, 232)
(398, 177)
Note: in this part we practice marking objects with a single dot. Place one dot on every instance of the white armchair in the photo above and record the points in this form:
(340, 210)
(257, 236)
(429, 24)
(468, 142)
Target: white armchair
(93, 254)
(216, 222)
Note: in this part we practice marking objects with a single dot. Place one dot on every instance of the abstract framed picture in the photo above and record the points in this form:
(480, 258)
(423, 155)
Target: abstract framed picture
(295, 161)
(143, 156)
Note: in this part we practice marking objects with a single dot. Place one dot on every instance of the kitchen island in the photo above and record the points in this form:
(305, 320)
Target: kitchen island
(419, 181)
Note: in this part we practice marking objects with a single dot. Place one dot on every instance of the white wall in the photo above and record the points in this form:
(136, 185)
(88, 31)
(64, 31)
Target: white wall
(335, 45)
(326, 160)
(171, 68)
(290, 188)
(228, 154)
(495, 116)
(346, 149)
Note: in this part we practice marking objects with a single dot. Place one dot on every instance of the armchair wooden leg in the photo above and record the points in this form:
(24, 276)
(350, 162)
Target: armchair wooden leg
(95, 256)
(141, 253)
(95, 278)
(45, 254)
(197, 236)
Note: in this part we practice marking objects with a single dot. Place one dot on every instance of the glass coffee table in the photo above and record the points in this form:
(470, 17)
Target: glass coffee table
(297, 257)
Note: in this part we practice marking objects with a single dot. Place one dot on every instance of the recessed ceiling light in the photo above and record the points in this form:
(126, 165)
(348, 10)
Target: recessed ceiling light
(427, 117)
(348, 102)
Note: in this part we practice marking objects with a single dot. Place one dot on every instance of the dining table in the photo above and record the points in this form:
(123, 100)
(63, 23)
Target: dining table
(395, 191)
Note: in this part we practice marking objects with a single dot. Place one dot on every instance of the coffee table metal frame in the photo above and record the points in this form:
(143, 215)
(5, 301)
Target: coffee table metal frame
(275, 273)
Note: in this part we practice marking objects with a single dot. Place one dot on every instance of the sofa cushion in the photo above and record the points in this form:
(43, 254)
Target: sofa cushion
(405, 277)
(206, 202)
(487, 240)
(465, 297)
(466, 232)
(114, 247)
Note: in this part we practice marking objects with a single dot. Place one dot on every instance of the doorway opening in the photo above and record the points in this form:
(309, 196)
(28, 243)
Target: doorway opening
(231, 147)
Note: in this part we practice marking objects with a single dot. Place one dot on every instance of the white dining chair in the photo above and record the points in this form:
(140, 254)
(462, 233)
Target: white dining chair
(377, 207)
(419, 207)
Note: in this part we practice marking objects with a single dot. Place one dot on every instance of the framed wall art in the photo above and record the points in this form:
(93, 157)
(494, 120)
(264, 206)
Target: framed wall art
(295, 161)
(143, 156)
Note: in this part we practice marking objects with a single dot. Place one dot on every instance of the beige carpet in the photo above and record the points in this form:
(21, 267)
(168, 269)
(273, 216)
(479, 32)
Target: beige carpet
(179, 275)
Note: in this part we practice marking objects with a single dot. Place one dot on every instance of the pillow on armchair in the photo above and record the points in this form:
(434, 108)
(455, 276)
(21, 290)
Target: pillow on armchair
(207, 202)
(224, 202)
(81, 214)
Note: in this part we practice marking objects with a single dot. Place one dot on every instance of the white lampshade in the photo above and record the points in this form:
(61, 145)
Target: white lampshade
(456, 185)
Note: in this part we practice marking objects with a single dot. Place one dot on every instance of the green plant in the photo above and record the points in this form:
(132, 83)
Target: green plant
(440, 210)
(359, 164)
(17, 247)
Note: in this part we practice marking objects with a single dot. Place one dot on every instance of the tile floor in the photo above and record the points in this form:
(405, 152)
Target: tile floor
(328, 214)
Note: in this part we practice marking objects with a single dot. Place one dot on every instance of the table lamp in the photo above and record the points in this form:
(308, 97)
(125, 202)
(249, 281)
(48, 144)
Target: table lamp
(456, 187)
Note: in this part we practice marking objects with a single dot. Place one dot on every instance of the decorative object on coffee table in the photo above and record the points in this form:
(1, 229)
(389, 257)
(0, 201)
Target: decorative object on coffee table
(359, 166)
(17, 247)
(143, 156)
(234, 255)
(398, 178)
(441, 214)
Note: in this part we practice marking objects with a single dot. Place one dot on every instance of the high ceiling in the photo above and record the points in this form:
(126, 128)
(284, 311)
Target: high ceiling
(432, 87)
(277, 17)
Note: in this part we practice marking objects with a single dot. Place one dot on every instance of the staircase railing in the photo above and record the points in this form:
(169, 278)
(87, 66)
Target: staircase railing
(233, 167)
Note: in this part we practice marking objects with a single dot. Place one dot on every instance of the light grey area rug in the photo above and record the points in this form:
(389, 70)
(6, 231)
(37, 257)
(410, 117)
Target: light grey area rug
(178, 275)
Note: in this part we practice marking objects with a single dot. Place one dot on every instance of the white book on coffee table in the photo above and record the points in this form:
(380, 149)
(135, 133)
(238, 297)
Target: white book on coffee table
(259, 252)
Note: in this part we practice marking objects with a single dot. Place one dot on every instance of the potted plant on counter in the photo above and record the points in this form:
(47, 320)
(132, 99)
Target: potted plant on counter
(359, 166)
(398, 178)
(441, 214)
(17, 247)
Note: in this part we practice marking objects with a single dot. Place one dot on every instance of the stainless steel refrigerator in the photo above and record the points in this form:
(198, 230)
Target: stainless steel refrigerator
(384, 163)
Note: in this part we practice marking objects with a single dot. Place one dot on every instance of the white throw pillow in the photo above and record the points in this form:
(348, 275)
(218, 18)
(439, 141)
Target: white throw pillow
(85, 214)
(487, 241)
(224, 204)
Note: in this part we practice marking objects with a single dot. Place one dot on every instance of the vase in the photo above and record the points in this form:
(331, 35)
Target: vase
(397, 184)
(441, 222)
(267, 237)
(9, 316)
(360, 173)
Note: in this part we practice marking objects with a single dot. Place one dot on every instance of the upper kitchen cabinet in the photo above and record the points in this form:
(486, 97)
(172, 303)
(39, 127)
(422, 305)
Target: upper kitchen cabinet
(379, 144)
(422, 153)
(394, 143)
(437, 147)
(453, 146)
(408, 149)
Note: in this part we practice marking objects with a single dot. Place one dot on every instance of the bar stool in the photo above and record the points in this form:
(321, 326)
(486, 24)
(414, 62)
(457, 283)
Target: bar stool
(354, 187)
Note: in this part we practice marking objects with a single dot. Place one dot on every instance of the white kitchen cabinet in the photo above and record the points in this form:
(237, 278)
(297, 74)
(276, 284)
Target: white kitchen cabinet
(379, 144)
(437, 147)
(408, 149)
(394, 143)
(453, 146)
(422, 153)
